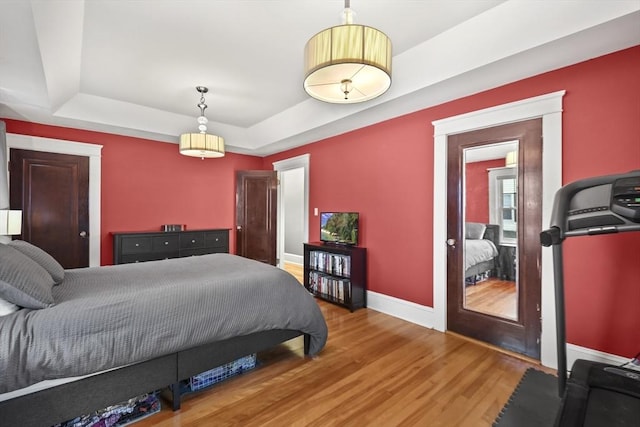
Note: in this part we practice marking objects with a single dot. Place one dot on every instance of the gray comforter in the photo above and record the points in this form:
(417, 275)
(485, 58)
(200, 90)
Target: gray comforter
(105, 317)
(477, 251)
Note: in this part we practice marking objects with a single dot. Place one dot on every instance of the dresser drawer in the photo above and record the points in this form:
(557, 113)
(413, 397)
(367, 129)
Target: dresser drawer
(168, 243)
(136, 244)
(216, 239)
(193, 239)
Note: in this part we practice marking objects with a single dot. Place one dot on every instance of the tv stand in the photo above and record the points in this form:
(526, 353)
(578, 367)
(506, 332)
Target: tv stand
(336, 273)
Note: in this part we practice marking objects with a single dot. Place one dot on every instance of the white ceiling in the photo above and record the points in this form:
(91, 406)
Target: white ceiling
(130, 67)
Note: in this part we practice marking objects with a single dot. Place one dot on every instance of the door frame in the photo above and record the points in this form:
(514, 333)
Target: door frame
(93, 152)
(297, 162)
(549, 108)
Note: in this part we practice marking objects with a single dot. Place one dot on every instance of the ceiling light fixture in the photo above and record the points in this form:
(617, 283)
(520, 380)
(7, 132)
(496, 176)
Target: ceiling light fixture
(348, 63)
(202, 144)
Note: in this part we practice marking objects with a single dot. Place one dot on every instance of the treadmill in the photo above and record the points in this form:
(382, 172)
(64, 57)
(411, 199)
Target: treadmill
(596, 394)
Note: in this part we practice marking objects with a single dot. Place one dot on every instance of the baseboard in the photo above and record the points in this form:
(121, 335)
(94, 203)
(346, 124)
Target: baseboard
(405, 310)
(424, 316)
(295, 259)
(575, 352)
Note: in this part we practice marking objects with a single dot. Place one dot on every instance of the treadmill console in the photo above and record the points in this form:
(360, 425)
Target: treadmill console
(625, 198)
(605, 207)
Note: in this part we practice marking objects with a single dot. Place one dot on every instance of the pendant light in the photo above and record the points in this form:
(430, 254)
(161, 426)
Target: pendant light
(201, 144)
(348, 63)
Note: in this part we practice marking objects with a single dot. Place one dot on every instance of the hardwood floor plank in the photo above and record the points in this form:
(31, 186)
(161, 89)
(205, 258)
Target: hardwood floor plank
(376, 370)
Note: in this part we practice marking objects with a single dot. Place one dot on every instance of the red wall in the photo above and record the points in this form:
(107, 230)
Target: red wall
(147, 183)
(477, 189)
(385, 172)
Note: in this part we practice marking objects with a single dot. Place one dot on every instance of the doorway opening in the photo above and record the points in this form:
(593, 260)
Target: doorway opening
(293, 212)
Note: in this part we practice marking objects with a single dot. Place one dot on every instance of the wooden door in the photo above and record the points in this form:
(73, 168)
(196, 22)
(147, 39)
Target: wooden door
(256, 215)
(522, 332)
(52, 190)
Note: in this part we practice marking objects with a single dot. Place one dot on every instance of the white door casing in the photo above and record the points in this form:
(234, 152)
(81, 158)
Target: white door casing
(549, 108)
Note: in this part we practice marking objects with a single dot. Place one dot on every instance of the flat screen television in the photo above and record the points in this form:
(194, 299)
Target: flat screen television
(339, 227)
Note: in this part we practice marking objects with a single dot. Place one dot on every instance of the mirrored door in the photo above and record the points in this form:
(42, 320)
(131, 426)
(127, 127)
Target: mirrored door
(493, 225)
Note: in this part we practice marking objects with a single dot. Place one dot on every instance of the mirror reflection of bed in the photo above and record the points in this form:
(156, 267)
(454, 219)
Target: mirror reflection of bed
(489, 283)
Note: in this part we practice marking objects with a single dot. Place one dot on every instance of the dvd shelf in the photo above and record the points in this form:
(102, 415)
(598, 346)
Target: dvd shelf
(336, 273)
(330, 263)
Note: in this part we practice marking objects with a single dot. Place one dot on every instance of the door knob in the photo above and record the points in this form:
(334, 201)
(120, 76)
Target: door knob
(83, 234)
(451, 242)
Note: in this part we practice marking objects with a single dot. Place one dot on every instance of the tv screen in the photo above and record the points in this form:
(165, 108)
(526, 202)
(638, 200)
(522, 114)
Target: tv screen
(339, 227)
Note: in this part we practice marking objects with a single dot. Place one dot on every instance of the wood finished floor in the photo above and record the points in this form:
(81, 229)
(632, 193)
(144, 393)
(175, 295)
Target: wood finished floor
(376, 370)
(493, 296)
(297, 270)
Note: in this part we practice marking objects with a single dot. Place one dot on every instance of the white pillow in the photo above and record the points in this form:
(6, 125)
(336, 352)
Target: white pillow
(7, 308)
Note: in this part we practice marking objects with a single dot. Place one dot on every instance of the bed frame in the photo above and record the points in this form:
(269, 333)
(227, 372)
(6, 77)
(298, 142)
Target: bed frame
(492, 232)
(66, 401)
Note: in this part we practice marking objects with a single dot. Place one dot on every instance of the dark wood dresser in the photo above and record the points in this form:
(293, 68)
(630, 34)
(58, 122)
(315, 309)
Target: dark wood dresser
(150, 246)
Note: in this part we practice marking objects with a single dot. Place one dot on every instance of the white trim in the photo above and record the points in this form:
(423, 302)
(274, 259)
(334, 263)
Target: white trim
(293, 258)
(575, 352)
(549, 107)
(301, 161)
(93, 152)
(405, 310)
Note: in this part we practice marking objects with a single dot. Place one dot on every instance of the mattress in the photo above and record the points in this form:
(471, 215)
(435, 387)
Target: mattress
(106, 317)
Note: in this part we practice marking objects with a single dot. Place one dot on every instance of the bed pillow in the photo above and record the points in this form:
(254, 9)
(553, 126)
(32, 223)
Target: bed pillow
(23, 281)
(7, 308)
(45, 260)
(474, 230)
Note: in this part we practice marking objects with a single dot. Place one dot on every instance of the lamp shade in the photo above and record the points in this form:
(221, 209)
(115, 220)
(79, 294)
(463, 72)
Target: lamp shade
(201, 145)
(10, 222)
(347, 64)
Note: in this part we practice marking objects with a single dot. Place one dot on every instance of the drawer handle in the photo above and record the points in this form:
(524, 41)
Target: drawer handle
(193, 241)
(137, 244)
(166, 243)
(217, 239)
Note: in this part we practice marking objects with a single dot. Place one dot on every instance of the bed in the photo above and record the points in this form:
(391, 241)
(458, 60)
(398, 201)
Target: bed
(481, 251)
(124, 330)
